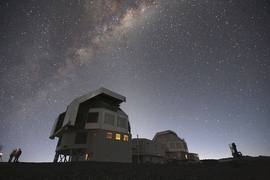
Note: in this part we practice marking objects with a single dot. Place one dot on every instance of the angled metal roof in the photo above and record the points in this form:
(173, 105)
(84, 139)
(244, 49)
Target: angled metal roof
(167, 135)
(116, 98)
(72, 109)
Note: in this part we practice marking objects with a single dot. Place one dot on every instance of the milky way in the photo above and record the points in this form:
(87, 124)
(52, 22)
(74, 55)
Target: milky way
(199, 68)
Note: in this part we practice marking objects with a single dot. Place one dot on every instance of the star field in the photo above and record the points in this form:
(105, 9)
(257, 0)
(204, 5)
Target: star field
(200, 68)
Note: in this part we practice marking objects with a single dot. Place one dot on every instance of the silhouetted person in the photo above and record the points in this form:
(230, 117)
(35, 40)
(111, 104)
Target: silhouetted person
(12, 154)
(17, 155)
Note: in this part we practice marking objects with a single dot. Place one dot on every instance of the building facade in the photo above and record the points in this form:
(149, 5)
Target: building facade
(93, 128)
(175, 148)
(147, 151)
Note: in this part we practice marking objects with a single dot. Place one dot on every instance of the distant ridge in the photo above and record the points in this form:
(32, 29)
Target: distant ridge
(248, 158)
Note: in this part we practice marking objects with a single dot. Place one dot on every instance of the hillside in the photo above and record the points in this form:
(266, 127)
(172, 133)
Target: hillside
(98, 170)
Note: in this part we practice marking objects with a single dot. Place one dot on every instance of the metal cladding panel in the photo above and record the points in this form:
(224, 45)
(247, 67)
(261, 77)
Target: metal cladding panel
(106, 92)
(113, 94)
(72, 117)
(53, 129)
(170, 135)
(80, 99)
(71, 110)
(93, 94)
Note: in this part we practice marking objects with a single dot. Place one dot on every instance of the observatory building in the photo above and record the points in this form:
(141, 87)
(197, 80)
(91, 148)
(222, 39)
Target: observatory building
(93, 128)
(166, 146)
(175, 148)
(147, 151)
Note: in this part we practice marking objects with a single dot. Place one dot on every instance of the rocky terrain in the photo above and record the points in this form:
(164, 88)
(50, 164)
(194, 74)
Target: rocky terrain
(254, 170)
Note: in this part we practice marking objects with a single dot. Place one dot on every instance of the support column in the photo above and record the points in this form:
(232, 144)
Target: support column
(55, 160)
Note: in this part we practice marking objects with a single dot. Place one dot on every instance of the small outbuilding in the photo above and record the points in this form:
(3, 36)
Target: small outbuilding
(147, 151)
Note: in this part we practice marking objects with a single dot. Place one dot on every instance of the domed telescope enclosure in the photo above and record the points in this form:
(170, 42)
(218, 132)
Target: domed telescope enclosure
(93, 128)
(175, 147)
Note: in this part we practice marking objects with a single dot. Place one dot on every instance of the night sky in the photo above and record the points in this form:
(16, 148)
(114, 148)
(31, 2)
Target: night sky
(200, 68)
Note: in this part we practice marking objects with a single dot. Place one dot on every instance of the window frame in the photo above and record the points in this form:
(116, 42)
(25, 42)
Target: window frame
(125, 138)
(109, 135)
(107, 121)
(121, 122)
(118, 137)
(87, 119)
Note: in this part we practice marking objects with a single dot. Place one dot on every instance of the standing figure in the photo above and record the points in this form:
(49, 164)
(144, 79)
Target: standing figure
(17, 155)
(12, 154)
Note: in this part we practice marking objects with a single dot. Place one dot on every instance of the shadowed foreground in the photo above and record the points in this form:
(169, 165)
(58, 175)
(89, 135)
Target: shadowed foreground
(98, 170)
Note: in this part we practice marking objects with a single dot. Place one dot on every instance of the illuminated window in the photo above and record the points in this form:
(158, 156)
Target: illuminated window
(109, 135)
(86, 157)
(118, 136)
(186, 156)
(125, 137)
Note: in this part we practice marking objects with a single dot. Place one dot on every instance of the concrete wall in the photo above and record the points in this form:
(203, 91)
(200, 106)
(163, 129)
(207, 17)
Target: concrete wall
(149, 151)
(97, 147)
(101, 148)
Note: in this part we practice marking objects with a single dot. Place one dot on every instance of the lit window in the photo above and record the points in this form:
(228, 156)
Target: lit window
(118, 136)
(125, 137)
(109, 135)
(86, 157)
(186, 156)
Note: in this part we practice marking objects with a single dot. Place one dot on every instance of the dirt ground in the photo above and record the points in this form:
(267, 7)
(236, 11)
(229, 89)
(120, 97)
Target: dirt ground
(98, 170)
